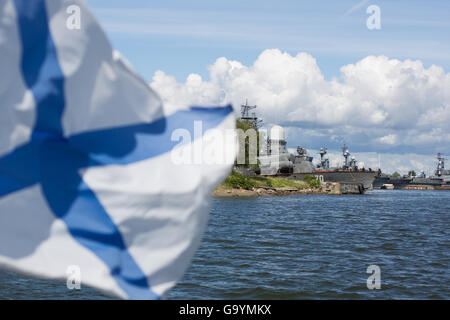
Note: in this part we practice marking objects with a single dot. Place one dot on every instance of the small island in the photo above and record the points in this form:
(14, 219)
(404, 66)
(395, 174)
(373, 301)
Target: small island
(239, 185)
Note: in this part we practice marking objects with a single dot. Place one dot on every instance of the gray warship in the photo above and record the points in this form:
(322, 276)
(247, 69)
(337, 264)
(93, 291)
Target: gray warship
(397, 182)
(350, 172)
(440, 179)
(275, 160)
(441, 176)
(422, 179)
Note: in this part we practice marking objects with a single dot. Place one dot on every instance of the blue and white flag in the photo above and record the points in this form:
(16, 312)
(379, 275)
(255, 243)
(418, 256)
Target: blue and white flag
(88, 175)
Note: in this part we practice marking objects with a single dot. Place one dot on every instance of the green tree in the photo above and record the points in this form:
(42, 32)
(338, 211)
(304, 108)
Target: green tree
(312, 181)
(396, 174)
(412, 173)
(245, 125)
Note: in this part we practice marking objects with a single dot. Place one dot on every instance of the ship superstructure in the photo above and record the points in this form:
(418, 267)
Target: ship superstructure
(302, 162)
(441, 172)
(274, 158)
(324, 162)
(350, 172)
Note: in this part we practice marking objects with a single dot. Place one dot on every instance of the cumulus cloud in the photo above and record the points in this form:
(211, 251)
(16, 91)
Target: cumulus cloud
(377, 104)
(389, 139)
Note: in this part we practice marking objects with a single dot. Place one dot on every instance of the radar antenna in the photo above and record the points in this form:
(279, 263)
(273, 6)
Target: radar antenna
(245, 108)
(441, 165)
(346, 155)
(324, 163)
(322, 152)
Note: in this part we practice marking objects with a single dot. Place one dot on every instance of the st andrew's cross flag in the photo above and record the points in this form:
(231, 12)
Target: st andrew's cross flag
(87, 173)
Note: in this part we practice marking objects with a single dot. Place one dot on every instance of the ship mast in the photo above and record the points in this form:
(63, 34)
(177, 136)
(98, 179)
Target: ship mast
(322, 152)
(253, 119)
(440, 166)
(346, 154)
(324, 163)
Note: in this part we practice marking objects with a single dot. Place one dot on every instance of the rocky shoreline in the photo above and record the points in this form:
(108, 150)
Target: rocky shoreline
(329, 188)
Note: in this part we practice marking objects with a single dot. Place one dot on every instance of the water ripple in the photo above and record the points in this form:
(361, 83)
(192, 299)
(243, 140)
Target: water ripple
(306, 247)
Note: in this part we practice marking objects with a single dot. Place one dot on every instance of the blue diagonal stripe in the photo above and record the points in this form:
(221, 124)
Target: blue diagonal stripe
(128, 144)
(41, 69)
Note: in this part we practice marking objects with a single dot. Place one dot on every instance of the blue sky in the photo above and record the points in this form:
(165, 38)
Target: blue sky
(411, 98)
(181, 37)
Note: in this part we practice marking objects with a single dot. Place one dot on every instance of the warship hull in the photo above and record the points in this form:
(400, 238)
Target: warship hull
(366, 178)
(427, 181)
(380, 181)
(398, 183)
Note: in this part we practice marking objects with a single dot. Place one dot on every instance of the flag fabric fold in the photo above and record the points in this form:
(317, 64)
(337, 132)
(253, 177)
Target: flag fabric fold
(87, 170)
